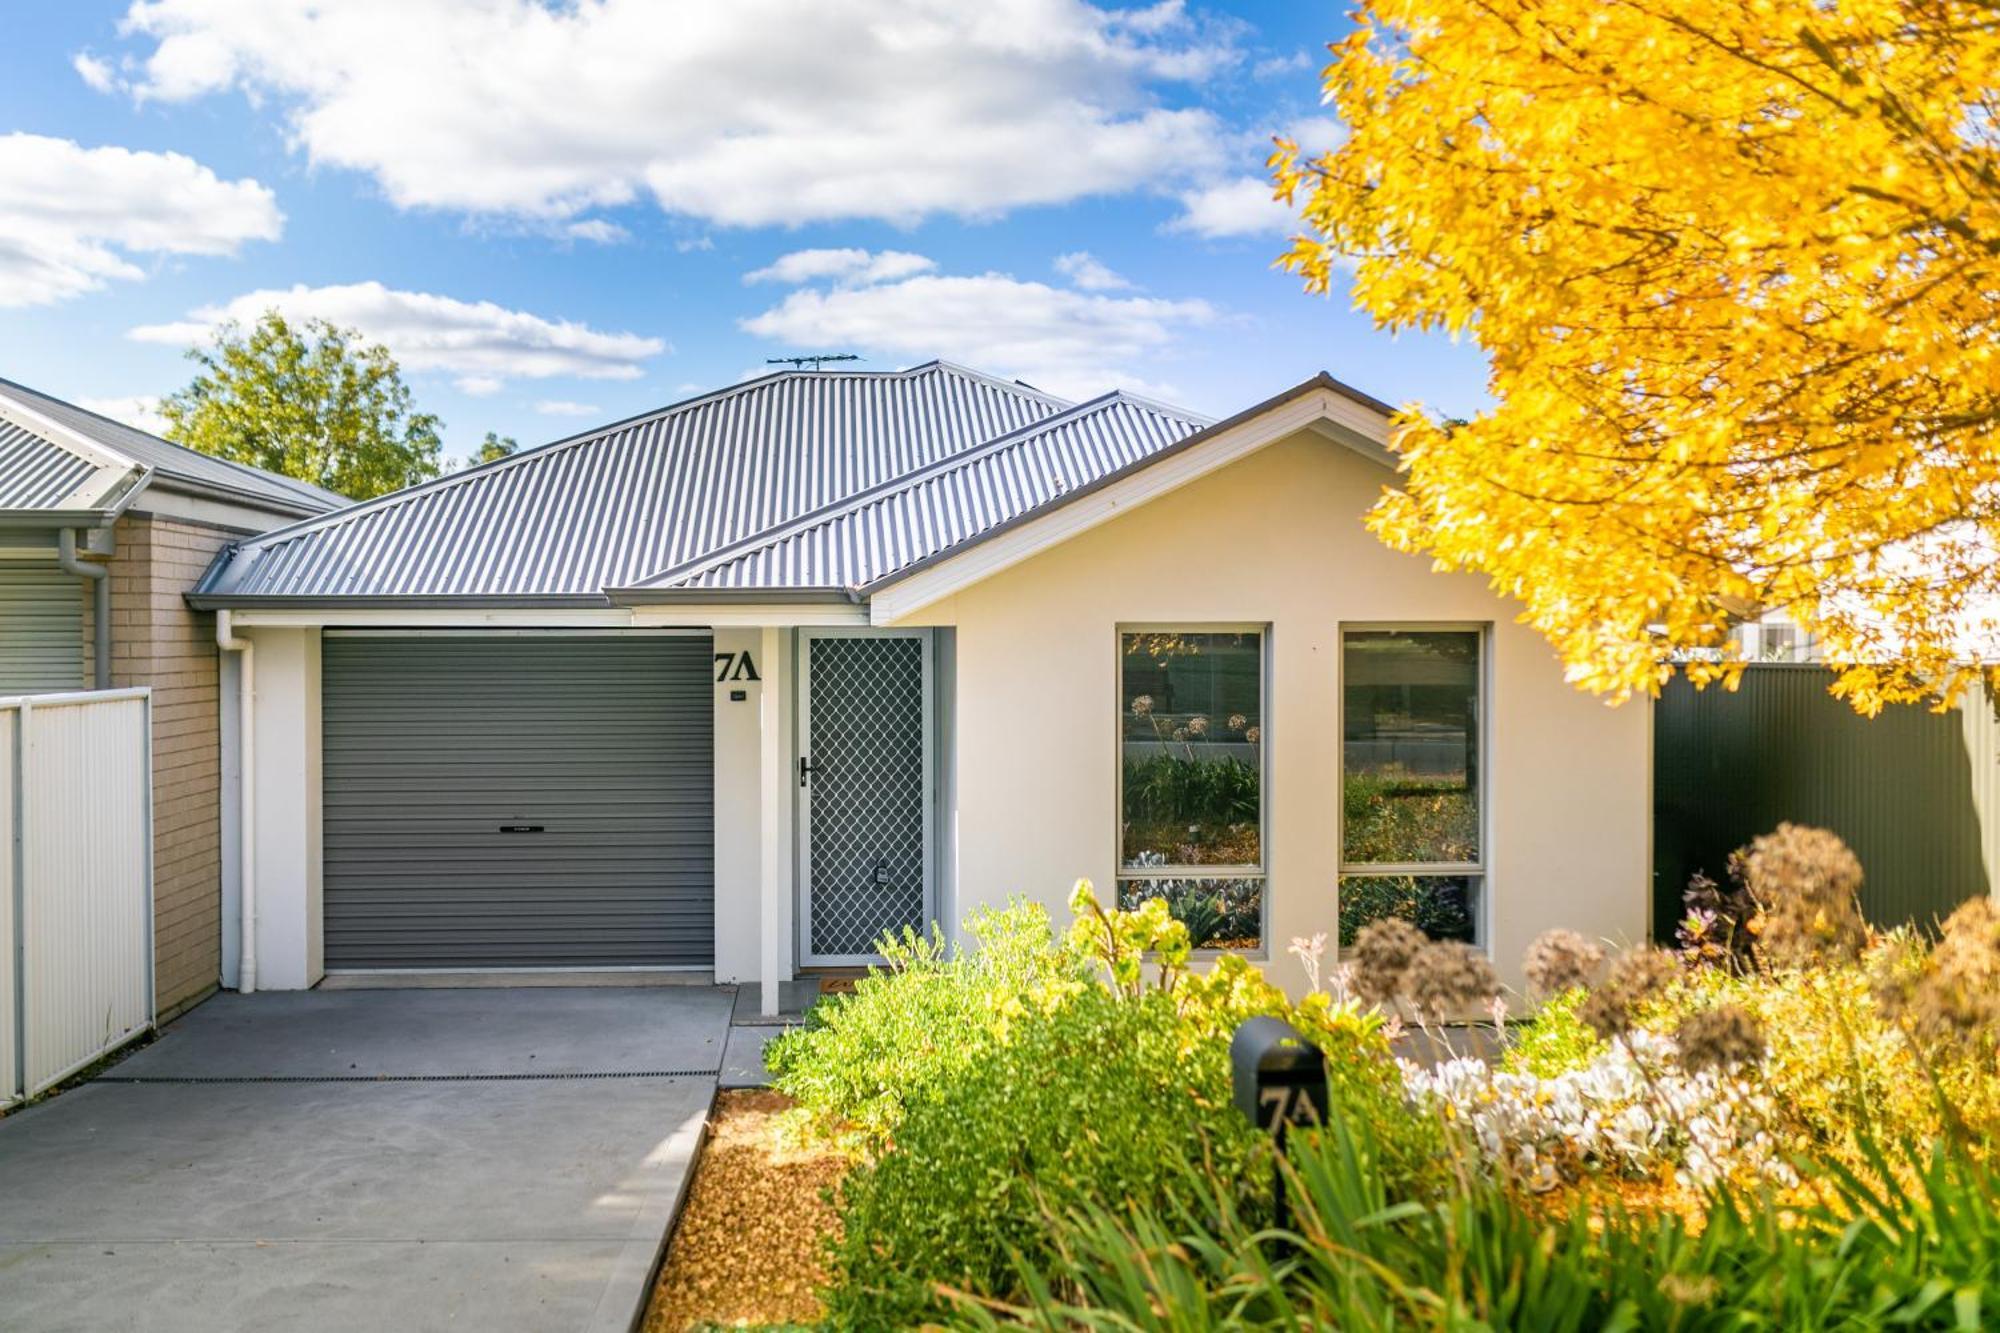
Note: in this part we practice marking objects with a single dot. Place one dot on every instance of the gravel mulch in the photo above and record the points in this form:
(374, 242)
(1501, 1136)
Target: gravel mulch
(747, 1250)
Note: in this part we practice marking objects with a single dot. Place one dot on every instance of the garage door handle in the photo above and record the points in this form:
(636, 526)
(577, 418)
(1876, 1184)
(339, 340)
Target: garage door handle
(520, 828)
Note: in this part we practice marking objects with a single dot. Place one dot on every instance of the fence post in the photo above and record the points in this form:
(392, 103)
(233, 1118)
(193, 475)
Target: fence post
(17, 981)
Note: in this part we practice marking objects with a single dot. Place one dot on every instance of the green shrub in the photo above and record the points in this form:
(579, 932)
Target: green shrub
(1094, 1100)
(1910, 1242)
(1036, 1073)
(1555, 1041)
(913, 1023)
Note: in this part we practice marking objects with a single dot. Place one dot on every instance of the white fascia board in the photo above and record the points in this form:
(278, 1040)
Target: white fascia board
(1331, 414)
(752, 615)
(691, 616)
(434, 618)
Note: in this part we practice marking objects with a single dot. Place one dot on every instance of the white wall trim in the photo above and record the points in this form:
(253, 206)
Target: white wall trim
(1352, 425)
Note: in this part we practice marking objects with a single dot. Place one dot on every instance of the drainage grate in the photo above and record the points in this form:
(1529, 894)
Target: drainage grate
(406, 1078)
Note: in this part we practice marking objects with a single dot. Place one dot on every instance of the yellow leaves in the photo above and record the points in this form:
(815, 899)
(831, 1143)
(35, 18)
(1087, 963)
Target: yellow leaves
(1735, 287)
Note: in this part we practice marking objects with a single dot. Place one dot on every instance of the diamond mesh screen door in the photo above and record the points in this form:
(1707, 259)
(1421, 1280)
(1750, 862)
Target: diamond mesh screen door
(866, 774)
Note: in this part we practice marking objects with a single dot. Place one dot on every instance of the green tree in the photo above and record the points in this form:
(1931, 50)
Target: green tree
(308, 400)
(494, 448)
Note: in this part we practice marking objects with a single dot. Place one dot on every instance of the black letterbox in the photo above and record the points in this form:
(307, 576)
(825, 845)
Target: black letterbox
(1280, 1076)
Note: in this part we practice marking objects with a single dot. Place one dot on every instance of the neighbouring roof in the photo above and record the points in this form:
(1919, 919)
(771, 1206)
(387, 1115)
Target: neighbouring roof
(65, 425)
(614, 506)
(46, 470)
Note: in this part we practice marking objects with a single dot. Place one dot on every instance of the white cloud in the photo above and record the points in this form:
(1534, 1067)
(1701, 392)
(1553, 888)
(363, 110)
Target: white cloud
(134, 410)
(849, 267)
(694, 244)
(95, 72)
(1071, 343)
(482, 343)
(479, 386)
(1239, 207)
(563, 407)
(596, 229)
(1085, 271)
(1278, 66)
(72, 218)
(756, 112)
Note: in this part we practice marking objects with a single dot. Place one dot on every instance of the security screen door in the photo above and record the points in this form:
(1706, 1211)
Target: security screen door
(865, 778)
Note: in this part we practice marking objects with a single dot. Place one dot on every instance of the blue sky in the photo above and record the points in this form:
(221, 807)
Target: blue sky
(558, 215)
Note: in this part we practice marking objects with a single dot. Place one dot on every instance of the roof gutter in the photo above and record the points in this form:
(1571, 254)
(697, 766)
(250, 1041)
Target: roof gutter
(229, 641)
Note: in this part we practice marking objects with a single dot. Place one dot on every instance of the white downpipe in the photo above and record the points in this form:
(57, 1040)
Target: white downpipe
(246, 799)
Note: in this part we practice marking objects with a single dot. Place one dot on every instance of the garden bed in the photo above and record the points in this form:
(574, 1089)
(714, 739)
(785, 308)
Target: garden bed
(747, 1250)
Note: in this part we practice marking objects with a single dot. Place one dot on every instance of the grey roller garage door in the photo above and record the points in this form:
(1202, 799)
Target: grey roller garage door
(518, 801)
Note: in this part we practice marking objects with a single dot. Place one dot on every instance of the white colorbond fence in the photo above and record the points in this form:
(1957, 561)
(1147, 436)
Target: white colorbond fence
(76, 882)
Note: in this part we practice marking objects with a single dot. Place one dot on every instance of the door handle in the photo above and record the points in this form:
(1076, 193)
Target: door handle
(806, 769)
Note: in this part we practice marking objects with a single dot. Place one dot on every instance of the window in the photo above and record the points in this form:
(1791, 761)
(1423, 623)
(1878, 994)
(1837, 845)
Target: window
(1412, 843)
(1191, 780)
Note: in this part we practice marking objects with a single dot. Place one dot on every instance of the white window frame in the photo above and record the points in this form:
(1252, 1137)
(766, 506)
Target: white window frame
(1479, 871)
(1142, 874)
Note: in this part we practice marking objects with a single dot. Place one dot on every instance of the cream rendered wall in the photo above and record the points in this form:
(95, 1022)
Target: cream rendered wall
(1276, 538)
(290, 953)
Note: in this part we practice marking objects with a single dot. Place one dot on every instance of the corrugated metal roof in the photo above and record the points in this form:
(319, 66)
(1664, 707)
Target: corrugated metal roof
(36, 473)
(47, 469)
(916, 518)
(616, 505)
(175, 461)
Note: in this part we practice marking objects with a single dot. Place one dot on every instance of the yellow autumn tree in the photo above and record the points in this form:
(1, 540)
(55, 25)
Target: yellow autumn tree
(1736, 267)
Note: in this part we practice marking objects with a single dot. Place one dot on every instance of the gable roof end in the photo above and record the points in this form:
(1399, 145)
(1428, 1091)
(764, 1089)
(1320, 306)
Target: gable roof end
(937, 509)
(50, 475)
(170, 463)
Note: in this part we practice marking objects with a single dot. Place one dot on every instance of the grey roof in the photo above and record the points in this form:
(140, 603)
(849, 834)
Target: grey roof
(619, 504)
(925, 514)
(175, 462)
(37, 473)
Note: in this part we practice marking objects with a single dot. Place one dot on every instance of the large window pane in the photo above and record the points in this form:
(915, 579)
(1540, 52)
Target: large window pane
(1443, 907)
(1411, 763)
(1191, 742)
(1218, 913)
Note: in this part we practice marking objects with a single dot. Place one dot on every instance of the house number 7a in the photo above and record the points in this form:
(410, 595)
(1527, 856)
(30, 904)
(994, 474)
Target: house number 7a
(731, 667)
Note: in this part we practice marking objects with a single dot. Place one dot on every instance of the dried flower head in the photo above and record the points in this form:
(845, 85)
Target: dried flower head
(1445, 979)
(1723, 1038)
(1382, 953)
(1561, 960)
(1635, 976)
(1806, 883)
(1197, 725)
(1253, 735)
(1954, 993)
(1142, 706)
(1236, 721)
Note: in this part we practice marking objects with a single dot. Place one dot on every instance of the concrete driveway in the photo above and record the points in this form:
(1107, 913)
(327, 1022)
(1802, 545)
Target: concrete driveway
(407, 1159)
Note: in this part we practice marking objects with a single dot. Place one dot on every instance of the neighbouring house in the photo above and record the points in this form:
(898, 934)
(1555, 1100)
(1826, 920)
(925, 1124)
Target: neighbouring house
(103, 528)
(739, 684)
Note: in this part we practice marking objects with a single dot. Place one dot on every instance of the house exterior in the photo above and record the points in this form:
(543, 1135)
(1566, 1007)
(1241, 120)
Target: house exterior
(737, 685)
(103, 529)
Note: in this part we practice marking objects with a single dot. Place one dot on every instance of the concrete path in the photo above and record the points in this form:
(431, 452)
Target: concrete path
(441, 1159)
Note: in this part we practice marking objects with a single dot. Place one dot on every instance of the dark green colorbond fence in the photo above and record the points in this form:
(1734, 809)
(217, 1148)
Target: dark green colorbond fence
(1906, 790)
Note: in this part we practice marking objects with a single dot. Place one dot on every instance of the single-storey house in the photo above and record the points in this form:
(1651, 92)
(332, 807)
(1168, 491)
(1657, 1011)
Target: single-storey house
(103, 529)
(737, 685)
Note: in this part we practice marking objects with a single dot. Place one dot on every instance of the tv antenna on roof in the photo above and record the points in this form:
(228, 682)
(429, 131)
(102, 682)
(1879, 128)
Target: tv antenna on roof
(800, 362)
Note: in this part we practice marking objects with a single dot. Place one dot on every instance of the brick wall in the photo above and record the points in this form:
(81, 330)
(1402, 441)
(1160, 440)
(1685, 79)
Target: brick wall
(158, 641)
